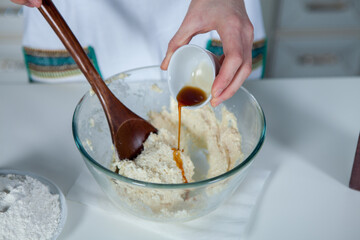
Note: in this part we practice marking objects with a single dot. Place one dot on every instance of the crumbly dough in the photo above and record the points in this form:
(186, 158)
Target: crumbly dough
(200, 128)
(156, 88)
(155, 164)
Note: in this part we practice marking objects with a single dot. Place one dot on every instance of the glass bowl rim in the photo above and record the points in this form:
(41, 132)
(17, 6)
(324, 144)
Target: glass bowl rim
(136, 182)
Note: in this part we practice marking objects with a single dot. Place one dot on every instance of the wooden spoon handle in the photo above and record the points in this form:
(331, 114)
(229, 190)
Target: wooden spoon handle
(116, 112)
(128, 131)
(60, 27)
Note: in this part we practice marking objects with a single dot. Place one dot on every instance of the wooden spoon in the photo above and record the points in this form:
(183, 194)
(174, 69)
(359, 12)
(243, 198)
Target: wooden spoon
(128, 130)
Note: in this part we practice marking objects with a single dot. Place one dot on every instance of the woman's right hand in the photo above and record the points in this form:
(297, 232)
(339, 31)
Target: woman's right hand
(29, 3)
(229, 18)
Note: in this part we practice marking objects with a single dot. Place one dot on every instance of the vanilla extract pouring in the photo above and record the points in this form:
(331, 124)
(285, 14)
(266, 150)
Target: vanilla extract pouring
(187, 96)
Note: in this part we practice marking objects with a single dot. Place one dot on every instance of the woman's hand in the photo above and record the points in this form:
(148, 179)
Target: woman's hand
(29, 3)
(230, 20)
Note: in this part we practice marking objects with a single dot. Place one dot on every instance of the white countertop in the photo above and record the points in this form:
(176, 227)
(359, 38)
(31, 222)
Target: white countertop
(313, 127)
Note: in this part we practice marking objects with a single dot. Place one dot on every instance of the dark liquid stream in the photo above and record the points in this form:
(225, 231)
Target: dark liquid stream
(187, 96)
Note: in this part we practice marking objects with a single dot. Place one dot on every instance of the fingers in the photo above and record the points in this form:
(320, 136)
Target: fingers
(243, 72)
(232, 60)
(193, 23)
(237, 62)
(228, 69)
(29, 3)
(181, 38)
(36, 3)
(234, 70)
(236, 32)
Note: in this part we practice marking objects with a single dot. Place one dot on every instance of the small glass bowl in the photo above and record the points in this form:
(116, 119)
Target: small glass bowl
(142, 90)
(53, 189)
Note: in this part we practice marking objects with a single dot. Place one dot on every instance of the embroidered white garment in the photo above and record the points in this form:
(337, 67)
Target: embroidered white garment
(124, 34)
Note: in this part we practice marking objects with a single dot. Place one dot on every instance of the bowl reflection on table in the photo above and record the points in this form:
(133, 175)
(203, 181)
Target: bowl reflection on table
(146, 89)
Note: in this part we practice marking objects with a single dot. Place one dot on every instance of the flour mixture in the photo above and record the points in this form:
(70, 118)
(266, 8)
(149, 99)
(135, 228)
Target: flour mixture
(28, 211)
(219, 140)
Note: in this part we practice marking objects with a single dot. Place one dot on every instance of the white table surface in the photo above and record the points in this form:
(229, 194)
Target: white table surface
(313, 126)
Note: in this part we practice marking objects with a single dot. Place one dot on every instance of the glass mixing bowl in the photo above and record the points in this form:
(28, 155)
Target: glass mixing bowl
(142, 90)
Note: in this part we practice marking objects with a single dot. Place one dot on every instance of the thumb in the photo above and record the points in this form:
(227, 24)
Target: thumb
(182, 36)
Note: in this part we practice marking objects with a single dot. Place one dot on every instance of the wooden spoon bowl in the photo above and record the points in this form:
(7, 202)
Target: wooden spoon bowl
(128, 130)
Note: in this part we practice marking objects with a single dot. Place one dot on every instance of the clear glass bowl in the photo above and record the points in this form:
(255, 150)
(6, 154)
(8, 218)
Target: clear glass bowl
(160, 202)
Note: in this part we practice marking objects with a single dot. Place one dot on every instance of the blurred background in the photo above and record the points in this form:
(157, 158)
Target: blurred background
(306, 38)
(312, 38)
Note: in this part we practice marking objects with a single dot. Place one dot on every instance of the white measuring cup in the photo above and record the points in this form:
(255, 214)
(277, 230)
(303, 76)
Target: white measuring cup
(191, 65)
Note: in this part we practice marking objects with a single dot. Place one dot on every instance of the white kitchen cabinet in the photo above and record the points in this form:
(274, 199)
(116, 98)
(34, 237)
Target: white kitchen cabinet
(319, 15)
(315, 38)
(12, 67)
(316, 56)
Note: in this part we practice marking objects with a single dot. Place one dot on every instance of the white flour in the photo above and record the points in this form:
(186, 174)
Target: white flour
(27, 209)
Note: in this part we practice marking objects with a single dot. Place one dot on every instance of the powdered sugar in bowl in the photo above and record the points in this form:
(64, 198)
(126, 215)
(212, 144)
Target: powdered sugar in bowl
(31, 207)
